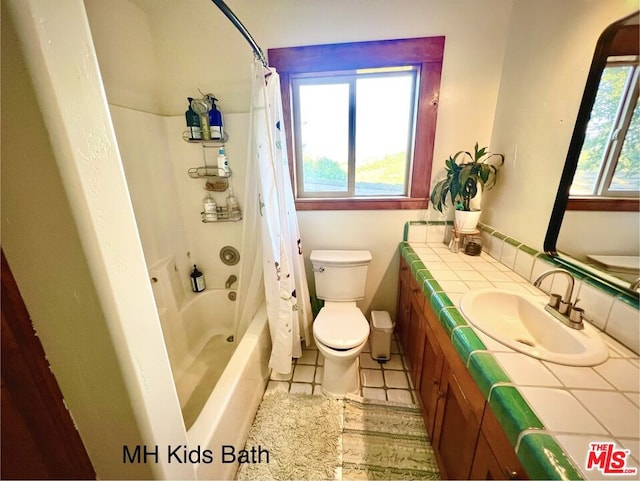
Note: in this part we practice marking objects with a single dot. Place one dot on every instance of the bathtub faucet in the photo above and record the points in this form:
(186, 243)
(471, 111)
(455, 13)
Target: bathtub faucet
(230, 281)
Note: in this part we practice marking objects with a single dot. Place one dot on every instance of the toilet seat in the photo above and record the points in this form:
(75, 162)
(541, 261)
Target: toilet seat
(341, 328)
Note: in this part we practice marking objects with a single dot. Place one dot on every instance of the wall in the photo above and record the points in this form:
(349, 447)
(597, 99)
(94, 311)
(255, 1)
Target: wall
(545, 68)
(104, 322)
(42, 245)
(196, 47)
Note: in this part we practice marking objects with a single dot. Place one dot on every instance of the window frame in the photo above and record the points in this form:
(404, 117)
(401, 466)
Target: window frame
(425, 53)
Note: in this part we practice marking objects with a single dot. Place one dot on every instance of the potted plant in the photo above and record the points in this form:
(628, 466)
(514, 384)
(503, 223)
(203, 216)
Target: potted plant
(466, 173)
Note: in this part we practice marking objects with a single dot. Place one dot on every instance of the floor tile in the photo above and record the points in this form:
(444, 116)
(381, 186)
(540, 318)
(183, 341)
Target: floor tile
(309, 356)
(399, 395)
(394, 362)
(304, 388)
(397, 379)
(303, 373)
(371, 378)
(374, 393)
(367, 362)
(278, 386)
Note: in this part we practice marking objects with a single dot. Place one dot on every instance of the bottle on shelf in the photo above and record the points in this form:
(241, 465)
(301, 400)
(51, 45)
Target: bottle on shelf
(233, 207)
(215, 119)
(193, 122)
(223, 163)
(197, 280)
(210, 209)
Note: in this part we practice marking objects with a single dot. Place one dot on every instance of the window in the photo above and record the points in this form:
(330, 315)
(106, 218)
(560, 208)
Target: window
(360, 121)
(609, 162)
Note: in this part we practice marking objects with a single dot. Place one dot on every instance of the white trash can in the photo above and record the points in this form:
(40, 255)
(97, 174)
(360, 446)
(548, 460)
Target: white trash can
(381, 330)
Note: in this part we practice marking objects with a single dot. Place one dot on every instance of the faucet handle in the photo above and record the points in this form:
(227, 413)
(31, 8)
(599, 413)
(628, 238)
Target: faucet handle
(554, 300)
(576, 317)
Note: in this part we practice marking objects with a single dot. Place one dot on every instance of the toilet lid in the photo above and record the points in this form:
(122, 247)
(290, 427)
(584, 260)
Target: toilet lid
(341, 328)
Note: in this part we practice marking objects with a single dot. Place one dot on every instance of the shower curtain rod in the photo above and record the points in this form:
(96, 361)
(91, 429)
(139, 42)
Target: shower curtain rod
(245, 33)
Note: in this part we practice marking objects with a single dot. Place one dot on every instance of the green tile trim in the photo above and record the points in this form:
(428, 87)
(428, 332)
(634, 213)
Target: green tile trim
(528, 250)
(465, 341)
(423, 275)
(405, 232)
(440, 301)
(543, 458)
(513, 412)
(629, 300)
(499, 235)
(512, 241)
(486, 371)
(450, 318)
(430, 286)
(417, 222)
(417, 265)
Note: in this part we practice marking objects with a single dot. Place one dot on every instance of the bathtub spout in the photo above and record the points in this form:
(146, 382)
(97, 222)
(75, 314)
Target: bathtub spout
(230, 281)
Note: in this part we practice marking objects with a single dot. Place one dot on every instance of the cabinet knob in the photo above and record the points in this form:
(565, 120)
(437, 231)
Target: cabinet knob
(440, 394)
(435, 381)
(511, 474)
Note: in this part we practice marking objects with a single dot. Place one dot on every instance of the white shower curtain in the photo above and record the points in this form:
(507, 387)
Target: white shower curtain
(273, 267)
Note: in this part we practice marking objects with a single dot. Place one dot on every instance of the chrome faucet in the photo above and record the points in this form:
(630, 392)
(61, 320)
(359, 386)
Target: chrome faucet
(635, 284)
(561, 307)
(230, 280)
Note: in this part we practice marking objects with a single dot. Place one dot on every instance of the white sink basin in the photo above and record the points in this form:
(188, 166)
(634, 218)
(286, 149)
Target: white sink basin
(521, 323)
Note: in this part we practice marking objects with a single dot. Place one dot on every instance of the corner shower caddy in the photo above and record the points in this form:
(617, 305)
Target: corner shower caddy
(214, 181)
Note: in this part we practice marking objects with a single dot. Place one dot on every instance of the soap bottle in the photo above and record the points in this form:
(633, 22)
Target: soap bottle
(210, 209)
(223, 163)
(233, 207)
(215, 119)
(197, 280)
(193, 122)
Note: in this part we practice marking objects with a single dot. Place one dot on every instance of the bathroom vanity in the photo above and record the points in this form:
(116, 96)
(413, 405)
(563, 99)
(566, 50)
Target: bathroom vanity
(492, 412)
(467, 440)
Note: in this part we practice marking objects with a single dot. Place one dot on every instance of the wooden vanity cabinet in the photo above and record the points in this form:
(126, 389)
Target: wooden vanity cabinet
(494, 457)
(467, 440)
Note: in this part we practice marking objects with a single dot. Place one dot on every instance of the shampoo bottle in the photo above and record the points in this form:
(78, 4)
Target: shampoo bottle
(223, 163)
(233, 207)
(210, 209)
(197, 280)
(193, 122)
(215, 119)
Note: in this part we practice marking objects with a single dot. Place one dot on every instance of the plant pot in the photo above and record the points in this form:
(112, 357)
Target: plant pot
(466, 221)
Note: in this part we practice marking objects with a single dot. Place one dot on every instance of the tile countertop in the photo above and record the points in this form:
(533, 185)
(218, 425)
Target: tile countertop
(544, 407)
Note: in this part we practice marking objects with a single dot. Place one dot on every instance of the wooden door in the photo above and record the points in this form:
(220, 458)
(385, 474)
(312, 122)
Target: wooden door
(39, 440)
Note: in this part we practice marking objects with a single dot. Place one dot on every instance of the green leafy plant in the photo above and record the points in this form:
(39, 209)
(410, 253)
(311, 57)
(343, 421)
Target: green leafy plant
(465, 171)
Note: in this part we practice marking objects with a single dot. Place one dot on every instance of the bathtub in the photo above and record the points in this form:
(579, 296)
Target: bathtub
(219, 380)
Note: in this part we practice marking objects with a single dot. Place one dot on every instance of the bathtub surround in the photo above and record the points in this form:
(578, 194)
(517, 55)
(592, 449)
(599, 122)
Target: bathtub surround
(271, 238)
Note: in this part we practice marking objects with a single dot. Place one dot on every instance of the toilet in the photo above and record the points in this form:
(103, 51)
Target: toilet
(340, 330)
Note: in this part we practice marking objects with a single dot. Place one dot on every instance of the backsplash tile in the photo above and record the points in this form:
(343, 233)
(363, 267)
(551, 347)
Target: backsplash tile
(607, 307)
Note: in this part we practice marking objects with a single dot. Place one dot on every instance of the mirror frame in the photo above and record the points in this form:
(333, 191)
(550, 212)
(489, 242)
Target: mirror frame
(598, 64)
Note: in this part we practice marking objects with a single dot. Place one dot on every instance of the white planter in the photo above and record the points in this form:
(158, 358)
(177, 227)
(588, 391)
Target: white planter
(466, 221)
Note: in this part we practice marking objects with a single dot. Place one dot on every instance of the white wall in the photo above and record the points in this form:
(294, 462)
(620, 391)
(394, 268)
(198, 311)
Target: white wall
(549, 51)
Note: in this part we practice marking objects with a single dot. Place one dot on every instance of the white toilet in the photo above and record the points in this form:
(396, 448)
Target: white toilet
(340, 330)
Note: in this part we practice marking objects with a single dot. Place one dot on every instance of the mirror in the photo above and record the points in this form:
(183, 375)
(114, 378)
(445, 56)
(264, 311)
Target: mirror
(595, 222)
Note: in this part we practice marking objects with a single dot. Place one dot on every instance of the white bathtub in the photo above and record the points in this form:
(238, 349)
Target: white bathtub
(219, 383)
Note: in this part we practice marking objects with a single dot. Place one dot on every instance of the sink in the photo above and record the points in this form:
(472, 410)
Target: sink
(520, 322)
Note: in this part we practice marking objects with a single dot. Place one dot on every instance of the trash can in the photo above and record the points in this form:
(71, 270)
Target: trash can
(381, 330)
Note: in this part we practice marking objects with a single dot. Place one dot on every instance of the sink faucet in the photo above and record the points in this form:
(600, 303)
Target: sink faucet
(561, 307)
(635, 284)
(231, 279)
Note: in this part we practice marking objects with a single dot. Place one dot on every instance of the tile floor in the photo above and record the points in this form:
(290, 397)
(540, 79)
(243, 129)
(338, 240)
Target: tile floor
(388, 381)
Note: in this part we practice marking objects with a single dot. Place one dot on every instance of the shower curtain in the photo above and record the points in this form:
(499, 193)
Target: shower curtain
(273, 268)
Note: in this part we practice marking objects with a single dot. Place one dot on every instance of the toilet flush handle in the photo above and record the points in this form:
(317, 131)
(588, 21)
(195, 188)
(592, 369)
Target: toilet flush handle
(318, 269)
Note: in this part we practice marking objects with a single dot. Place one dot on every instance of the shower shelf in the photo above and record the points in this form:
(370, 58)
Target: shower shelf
(206, 171)
(212, 142)
(223, 216)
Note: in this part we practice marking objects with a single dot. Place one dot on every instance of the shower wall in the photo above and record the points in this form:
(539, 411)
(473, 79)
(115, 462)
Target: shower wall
(166, 201)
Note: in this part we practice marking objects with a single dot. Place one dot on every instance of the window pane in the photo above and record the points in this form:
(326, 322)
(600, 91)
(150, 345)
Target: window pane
(627, 174)
(324, 135)
(603, 116)
(384, 120)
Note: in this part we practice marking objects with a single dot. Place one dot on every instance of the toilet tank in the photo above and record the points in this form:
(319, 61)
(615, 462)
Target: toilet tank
(340, 275)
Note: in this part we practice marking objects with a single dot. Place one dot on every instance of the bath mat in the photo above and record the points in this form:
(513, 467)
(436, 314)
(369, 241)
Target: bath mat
(301, 433)
(385, 441)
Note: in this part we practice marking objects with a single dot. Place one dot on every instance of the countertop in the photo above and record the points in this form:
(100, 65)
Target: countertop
(541, 405)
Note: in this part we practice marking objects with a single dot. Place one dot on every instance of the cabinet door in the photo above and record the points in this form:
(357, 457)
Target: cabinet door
(430, 392)
(456, 429)
(495, 457)
(415, 344)
(404, 305)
